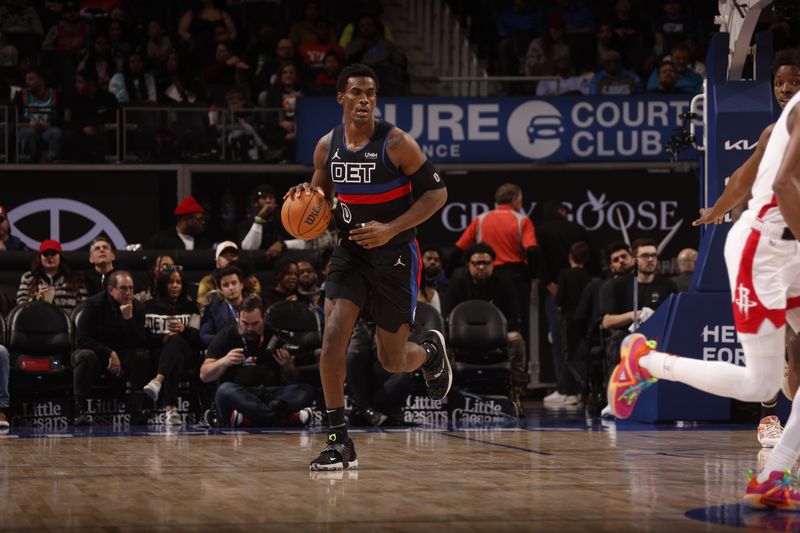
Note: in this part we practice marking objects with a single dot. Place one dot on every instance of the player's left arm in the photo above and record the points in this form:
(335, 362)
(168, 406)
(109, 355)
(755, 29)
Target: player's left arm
(428, 187)
(787, 182)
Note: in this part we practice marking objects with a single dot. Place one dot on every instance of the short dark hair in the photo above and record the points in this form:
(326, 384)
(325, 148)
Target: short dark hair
(251, 303)
(101, 238)
(665, 62)
(356, 70)
(480, 248)
(88, 75)
(615, 247)
(579, 252)
(113, 279)
(506, 193)
(230, 270)
(638, 243)
(790, 57)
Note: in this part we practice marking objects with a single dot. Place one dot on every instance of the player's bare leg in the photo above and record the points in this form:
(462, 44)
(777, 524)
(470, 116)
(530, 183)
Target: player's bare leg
(340, 317)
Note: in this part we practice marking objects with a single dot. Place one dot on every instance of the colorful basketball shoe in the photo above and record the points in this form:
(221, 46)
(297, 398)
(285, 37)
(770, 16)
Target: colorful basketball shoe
(779, 491)
(628, 379)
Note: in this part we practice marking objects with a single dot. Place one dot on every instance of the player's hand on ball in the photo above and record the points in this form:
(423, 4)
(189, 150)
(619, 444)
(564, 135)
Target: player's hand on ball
(372, 234)
(304, 187)
(707, 216)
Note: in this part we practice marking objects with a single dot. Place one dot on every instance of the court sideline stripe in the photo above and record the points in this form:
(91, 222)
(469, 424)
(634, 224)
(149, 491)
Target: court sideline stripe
(496, 444)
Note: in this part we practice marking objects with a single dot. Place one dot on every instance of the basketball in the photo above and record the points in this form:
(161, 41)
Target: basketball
(306, 216)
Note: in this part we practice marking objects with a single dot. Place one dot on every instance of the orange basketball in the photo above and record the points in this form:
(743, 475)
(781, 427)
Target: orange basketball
(306, 216)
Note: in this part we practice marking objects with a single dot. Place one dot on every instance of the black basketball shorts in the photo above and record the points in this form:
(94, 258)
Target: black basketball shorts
(389, 276)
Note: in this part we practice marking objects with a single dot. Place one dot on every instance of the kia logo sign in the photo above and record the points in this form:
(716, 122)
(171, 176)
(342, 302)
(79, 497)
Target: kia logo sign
(741, 144)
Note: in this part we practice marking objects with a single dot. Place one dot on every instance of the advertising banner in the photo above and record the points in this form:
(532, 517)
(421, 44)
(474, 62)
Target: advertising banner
(517, 129)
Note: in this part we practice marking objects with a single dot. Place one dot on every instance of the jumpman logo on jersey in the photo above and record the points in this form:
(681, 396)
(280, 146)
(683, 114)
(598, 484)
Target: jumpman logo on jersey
(399, 261)
(335, 155)
(743, 301)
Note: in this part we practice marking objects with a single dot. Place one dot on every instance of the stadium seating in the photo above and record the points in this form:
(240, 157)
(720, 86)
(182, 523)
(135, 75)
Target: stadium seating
(477, 342)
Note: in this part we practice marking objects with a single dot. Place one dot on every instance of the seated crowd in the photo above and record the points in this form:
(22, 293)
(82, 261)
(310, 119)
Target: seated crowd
(215, 333)
(69, 67)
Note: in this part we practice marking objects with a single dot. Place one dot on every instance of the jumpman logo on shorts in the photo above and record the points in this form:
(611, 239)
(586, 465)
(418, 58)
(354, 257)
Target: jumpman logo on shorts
(743, 301)
(399, 261)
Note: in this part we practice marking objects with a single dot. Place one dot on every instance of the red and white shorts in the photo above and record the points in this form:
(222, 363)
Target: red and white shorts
(764, 273)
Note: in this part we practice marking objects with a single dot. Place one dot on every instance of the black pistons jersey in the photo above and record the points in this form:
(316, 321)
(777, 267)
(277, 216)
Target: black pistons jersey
(368, 185)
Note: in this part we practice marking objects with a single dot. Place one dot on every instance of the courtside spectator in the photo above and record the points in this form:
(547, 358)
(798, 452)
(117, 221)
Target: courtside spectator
(285, 282)
(157, 265)
(671, 26)
(224, 68)
(616, 298)
(173, 320)
(433, 269)
(306, 30)
(308, 289)
(217, 315)
(92, 111)
(687, 259)
(313, 52)
(555, 236)
(512, 237)
(374, 8)
(283, 95)
(101, 257)
(370, 48)
(177, 84)
(227, 253)
(40, 111)
(50, 279)
(8, 243)
(571, 282)
(245, 132)
(188, 231)
(606, 41)
(64, 43)
(258, 382)
(613, 79)
(483, 283)
(264, 231)
(111, 338)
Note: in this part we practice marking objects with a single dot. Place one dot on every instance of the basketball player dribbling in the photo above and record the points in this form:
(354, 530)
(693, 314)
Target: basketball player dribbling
(763, 260)
(386, 187)
(786, 82)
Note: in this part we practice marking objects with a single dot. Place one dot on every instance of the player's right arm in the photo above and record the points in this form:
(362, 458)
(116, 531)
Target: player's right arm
(739, 185)
(321, 179)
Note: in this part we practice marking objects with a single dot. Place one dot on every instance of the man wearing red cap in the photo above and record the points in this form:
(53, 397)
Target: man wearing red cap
(188, 231)
(8, 243)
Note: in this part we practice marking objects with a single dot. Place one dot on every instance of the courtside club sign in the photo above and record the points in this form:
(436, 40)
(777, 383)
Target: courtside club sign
(509, 130)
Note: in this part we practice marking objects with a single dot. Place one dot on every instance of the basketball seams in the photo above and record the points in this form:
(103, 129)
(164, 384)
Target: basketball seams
(305, 206)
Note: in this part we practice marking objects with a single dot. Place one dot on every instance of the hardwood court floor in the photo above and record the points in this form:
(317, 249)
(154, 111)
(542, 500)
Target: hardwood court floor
(554, 472)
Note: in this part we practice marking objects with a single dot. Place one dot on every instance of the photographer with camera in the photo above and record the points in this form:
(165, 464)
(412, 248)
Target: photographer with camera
(257, 375)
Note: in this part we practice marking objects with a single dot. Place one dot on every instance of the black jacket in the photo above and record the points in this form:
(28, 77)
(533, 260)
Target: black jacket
(169, 240)
(103, 330)
(498, 291)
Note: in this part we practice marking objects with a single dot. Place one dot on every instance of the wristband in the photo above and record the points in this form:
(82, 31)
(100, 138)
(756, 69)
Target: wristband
(258, 220)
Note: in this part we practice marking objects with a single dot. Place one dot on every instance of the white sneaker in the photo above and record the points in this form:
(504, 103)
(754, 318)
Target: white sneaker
(152, 389)
(572, 400)
(554, 397)
(173, 418)
(769, 431)
(606, 413)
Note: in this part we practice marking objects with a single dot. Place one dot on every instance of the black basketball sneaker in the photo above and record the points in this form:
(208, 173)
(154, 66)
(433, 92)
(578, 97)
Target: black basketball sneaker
(336, 455)
(439, 377)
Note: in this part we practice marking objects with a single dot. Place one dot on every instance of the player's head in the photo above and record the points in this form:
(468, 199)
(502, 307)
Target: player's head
(357, 92)
(786, 75)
